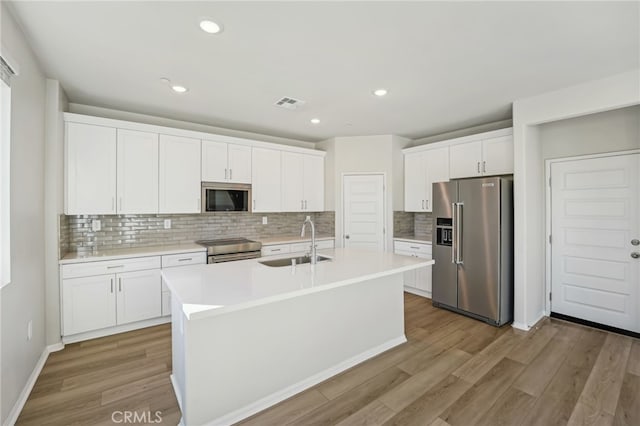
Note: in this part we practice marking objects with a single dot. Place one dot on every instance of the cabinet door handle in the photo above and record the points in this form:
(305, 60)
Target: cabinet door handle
(120, 284)
(422, 204)
(120, 208)
(225, 174)
(115, 266)
(306, 206)
(254, 205)
(186, 259)
(276, 249)
(414, 247)
(230, 174)
(301, 204)
(484, 166)
(478, 167)
(111, 285)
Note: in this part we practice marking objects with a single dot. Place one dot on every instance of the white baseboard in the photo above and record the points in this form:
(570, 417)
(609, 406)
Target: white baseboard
(115, 330)
(289, 391)
(527, 327)
(12, 418)
(417, 292)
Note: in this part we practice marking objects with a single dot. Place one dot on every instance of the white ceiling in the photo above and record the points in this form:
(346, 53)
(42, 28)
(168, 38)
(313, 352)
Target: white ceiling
(446, 65)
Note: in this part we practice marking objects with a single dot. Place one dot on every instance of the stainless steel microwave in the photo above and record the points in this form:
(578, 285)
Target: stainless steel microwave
(225, 197)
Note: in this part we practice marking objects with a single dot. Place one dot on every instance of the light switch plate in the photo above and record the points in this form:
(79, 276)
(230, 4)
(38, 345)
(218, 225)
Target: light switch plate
(167, 224)
(264, 220)
(96, 225)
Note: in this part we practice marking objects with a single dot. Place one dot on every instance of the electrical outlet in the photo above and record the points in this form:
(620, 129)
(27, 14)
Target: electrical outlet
(96, 225)
(29, 330)
(264, 220)
(167, 224)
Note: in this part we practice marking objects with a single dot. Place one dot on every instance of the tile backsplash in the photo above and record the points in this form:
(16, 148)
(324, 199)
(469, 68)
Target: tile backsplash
(423, 223)
(121, 231)
(408, 223)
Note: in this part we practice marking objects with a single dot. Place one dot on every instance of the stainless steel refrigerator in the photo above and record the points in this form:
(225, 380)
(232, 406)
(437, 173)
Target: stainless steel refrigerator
(473, 248)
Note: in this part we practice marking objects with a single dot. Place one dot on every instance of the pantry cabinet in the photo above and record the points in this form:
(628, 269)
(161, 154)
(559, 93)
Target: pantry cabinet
(225, 162)
(421, 170)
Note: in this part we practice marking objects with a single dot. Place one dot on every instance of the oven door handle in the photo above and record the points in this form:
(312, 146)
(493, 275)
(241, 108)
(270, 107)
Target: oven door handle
(219, 258)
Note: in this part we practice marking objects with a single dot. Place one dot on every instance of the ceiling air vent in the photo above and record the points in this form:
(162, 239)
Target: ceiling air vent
(289, 103)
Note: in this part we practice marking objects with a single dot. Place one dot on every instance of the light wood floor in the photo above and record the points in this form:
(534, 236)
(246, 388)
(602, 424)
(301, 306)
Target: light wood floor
(452, 371)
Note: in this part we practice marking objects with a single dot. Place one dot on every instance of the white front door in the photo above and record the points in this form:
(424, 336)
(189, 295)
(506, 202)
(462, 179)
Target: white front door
(595, 225)
(363, 211)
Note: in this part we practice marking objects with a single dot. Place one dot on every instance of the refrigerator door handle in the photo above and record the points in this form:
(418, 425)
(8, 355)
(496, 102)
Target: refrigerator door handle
(453, 231)
(459, 232)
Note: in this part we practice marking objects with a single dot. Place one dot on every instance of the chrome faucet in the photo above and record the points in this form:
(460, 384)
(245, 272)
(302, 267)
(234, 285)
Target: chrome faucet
(313, 239)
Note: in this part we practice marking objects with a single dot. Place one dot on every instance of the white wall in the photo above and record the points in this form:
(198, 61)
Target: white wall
(364, 154)
(24, 298)
(178, 124)
(610, 131)
(606, 94)
(56, 104)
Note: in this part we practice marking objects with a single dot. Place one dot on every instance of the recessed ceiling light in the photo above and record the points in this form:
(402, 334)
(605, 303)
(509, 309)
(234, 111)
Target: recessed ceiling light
(315, 120)
(179, 89)
(380, 92)
(210, 27)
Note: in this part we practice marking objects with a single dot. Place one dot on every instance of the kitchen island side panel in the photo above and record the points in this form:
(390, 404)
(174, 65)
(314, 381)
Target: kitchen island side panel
(241, 362)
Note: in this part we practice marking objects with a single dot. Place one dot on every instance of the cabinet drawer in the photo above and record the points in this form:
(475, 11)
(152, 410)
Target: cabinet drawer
(276, 249)
(413, 254)
(88, 269)
(183, 259)
(300, 247)
(412, 247)
(325, 244)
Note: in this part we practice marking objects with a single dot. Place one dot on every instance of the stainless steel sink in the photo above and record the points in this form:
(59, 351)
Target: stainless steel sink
(289, 260)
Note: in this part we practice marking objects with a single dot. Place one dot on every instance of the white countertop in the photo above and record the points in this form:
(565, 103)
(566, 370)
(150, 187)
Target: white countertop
(75, 257)
(414, 238)
(205, 290)
(287, 239)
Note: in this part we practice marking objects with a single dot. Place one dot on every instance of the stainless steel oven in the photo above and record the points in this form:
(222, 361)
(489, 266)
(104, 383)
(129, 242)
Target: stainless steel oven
(225, 197)
(230, 249)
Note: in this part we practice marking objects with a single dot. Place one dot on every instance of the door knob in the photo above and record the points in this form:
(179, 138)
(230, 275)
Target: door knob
(635, 242)
(635, 255)
(346, 237)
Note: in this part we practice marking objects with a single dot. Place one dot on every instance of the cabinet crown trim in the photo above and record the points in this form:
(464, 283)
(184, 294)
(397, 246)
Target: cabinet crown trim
(463, 139)
(70, 117)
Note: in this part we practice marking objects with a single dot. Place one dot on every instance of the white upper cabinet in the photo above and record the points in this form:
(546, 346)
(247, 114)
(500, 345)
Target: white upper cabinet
(266, 176)
(466, 160)
(224, 162)
(421, 170)
(137, 172)
(179, 174)
(313, 184)
(90, 169)
(302, 182)
(239, 163)
(487, 154)
(497, 155)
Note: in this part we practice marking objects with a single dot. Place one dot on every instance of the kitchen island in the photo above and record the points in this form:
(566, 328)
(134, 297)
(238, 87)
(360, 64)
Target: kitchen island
(246, 336)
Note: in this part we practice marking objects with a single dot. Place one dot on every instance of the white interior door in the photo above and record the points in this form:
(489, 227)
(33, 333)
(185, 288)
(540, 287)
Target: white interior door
(363, 211)
(594, 222)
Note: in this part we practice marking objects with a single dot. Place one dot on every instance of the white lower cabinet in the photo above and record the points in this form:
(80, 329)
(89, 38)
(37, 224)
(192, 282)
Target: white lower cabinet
(417, 281)
(139, 296)
(89, 303)
(96, 297)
